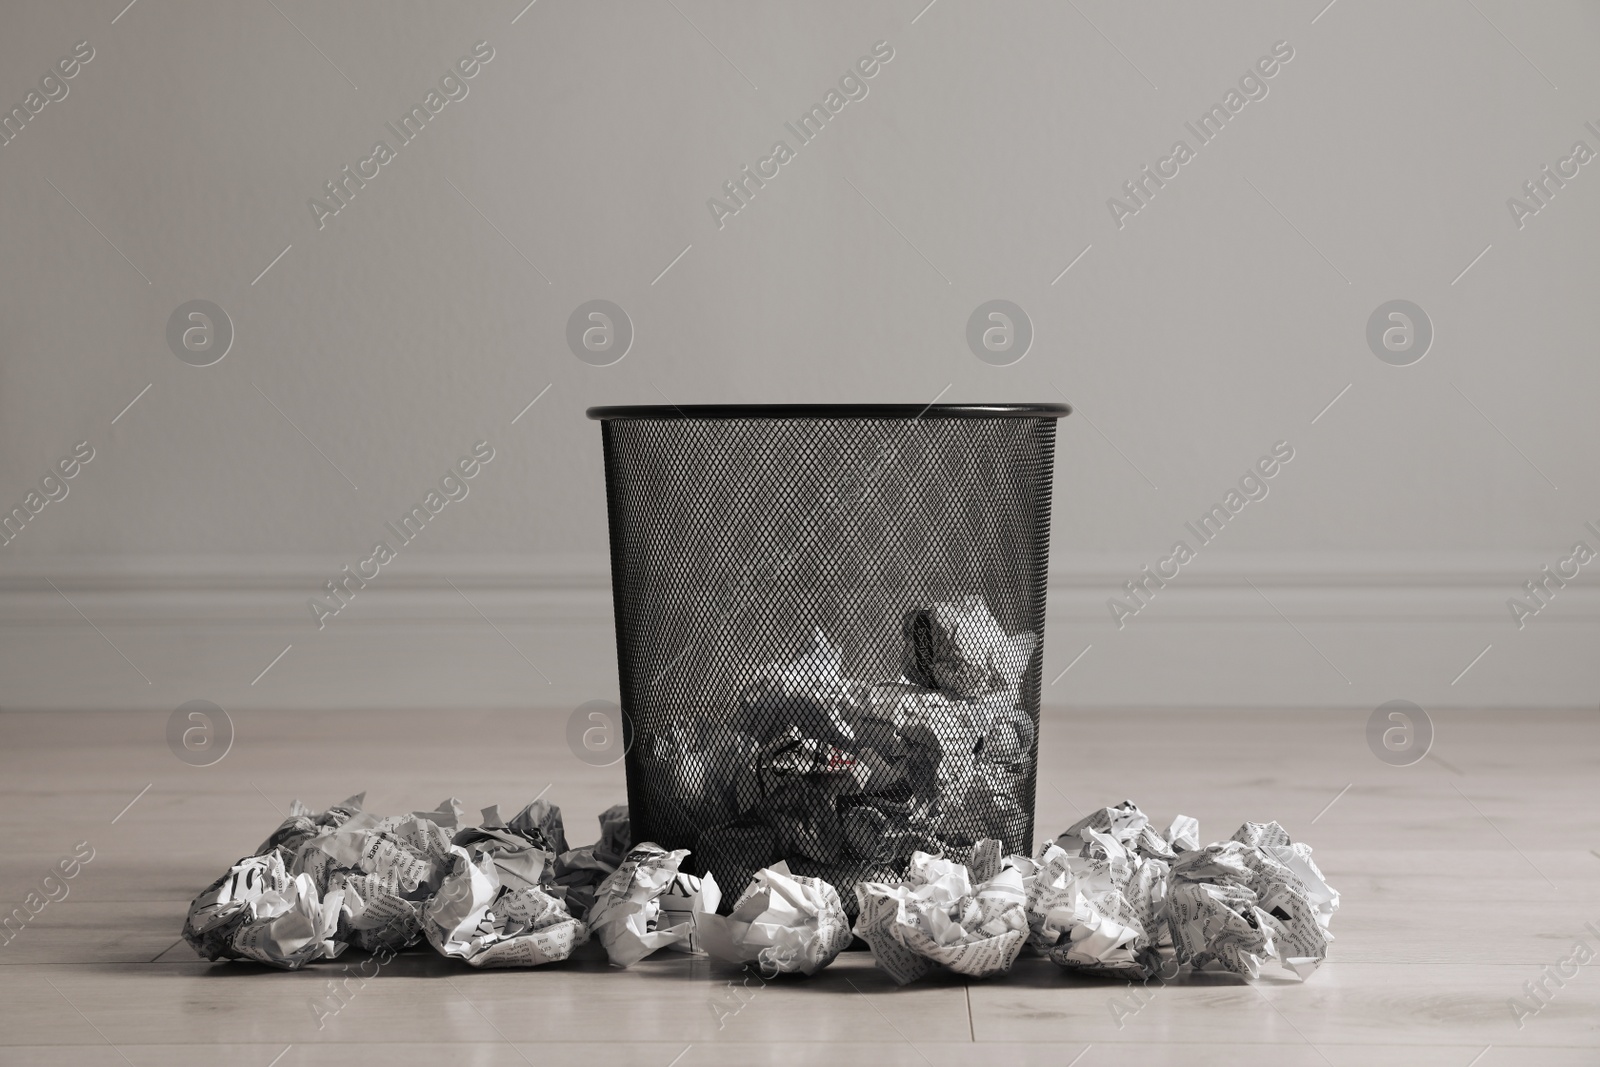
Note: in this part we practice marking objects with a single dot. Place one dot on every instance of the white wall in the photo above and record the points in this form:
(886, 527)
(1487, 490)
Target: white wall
(1220, 319)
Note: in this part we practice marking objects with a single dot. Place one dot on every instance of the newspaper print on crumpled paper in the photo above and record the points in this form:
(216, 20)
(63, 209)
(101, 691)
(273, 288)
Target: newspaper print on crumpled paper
(938, 916)
(1234, 904)
(1103, 898)
(687, 903)
(1095, 896)
(525, 850)
(257, 911)
(498, 905)
(385, 868)
(325, 881)
(480, 918)
(627, 914)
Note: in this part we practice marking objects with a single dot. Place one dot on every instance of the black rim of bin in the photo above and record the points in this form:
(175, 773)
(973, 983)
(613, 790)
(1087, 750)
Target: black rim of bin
(830, 411)
(711, 505)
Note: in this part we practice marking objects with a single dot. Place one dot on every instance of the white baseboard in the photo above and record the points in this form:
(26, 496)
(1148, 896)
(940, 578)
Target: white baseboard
(1330, 630)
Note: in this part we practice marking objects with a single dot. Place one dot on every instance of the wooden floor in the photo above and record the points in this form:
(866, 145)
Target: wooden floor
(1462, 878)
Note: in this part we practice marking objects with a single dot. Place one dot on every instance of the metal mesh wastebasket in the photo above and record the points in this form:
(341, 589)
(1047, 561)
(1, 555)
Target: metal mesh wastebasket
(830, 624)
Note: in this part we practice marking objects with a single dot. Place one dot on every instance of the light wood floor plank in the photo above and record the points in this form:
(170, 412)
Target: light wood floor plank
(661, 1054)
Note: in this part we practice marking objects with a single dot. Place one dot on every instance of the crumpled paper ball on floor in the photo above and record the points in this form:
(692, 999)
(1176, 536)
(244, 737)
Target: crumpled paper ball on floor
(939, 915)
(784, 923)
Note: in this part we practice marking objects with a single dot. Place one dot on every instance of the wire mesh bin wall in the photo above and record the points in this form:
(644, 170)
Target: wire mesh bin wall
(830, 622)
